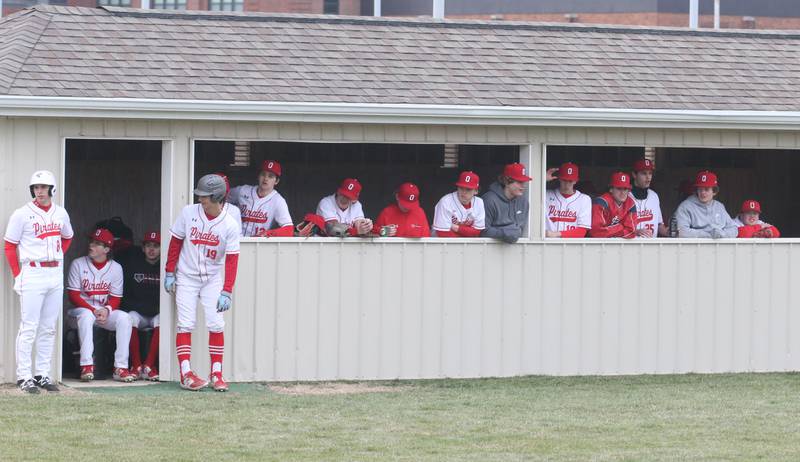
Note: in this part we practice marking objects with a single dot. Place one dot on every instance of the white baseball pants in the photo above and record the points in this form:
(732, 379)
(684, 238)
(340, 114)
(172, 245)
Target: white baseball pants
(118, 321)
(188, 291)
(144, 322)
(41, 294)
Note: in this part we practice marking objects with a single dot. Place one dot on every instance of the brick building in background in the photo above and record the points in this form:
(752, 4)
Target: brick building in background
(736, 14)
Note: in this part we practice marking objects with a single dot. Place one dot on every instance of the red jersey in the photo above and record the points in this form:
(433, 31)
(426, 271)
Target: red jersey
(413, 223)
(610, 219)
(757, 231)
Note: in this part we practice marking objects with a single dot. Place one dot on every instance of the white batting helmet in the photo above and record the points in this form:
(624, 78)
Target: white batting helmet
(43, 177)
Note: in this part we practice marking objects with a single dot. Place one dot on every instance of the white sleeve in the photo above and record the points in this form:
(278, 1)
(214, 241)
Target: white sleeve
(584, 212)
(66, 230)
(179, 228)
(116, 281)
(325, 210)
(74, 278)
(658, 216)
(441, 219)
(357, 211)
(233, 195)
(282, 216)
(232, 240)
(480, 214)
(14, 228)
(237, 216)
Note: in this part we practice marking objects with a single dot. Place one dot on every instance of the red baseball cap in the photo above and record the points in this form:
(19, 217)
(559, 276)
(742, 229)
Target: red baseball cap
(751, 206)
(643, 165)
(620, 180)
(516, 172)
(408, 195)
(568, 172)
(350, 188)
(152, 236)
(469, 180)
(227, 183)
(705, 179)
(271, 166)
(103, 236)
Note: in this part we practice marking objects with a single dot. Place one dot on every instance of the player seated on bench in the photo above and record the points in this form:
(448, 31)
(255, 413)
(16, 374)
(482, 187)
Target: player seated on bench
(95, 289)
(750, 224)
(142, 285)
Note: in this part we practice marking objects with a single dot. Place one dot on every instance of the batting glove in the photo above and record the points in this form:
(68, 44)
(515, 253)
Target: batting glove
(169, 283)
(18, 284)
(224, 302)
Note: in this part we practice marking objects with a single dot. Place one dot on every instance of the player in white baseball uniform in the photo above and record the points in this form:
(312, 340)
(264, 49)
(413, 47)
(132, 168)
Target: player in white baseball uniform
(342, 211)
(37, 236)
(203, 247)
(261, 206)
(461, 213)
(568, 212)
(95, 288)
(648, 206)
(229, 208)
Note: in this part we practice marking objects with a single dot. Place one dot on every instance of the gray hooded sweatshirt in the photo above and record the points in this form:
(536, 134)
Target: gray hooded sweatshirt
(696, 219)
(505, 219)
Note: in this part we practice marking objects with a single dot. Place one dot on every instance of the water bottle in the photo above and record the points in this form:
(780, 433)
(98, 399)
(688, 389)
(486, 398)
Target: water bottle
(673, 227)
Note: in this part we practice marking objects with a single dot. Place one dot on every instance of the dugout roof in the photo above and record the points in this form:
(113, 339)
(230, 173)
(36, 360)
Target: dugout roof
(150, 54)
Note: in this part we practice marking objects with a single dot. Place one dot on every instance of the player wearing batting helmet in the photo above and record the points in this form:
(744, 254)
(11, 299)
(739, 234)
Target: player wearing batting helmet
(201, 265)
(37, 237)
(405, 218)
(264, 212)
(648, 204)
(461, 213)
(614, 213)
(750, 224)
(700, 215)
(569, 211)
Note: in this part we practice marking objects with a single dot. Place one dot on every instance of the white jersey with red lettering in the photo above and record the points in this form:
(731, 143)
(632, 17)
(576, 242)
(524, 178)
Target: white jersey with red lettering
(329, 210)
(233, 211)
(95, 284)
(648, 211)
(259, 213)
(566, 213)
(38, 233)
(205, 242)
(450, 210)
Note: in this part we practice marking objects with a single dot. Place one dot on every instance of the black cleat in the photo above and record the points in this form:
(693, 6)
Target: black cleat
(43, 381)
(28, 386)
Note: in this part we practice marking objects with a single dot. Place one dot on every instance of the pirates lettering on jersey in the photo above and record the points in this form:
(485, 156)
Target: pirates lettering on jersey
(566, 216)
(644, 215)
(95, 288)
(253, 216)
(43, 231)
(198, 237)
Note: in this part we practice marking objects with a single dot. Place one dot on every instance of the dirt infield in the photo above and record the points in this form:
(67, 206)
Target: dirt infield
(13, 390)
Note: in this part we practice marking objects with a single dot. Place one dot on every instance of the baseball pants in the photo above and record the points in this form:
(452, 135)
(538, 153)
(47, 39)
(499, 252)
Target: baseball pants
(186, 296)
(143, 322)
(118, 321)
(41, 293)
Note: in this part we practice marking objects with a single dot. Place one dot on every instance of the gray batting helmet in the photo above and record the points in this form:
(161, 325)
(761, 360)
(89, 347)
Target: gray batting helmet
(211, 185)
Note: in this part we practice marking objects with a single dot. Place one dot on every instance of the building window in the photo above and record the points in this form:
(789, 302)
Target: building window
(113, 2)
(330, 7)
(226, 5)
(169, 4)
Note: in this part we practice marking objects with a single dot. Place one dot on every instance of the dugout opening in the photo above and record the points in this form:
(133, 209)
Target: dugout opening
(761, 174)
(104, 179)
(312, 171)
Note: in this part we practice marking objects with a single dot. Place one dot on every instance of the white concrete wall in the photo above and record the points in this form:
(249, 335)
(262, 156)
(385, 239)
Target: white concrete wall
(356, 309)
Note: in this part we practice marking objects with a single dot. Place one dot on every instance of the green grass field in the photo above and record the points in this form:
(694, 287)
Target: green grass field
(687, 417)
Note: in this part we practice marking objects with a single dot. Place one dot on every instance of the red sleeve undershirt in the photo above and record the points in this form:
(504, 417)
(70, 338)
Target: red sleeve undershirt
(577, 232)
(173, 253)
(283, 231)
(114, 301)
(11, 257)
(65, 243)
(468, 231)
(231, 266)
(77, 301)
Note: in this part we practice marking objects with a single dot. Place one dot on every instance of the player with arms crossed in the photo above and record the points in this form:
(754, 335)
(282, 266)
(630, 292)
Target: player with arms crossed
(37, 237)
(95, 288)
(461, 213)
(614, 213)
(750, 224)
(204, 247)
(261, 205)
(342, 211)
(569, 212)
(648, 205)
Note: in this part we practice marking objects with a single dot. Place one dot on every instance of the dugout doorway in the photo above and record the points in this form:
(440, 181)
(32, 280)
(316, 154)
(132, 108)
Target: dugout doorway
(105, 179)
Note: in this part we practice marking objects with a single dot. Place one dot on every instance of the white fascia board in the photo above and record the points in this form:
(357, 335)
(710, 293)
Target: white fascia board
(128, 108)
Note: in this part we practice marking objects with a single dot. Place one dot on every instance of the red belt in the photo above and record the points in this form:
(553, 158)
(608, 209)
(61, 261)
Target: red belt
(44, 264)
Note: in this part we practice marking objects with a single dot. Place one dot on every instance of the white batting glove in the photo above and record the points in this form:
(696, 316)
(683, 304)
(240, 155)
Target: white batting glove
(224, 302)
(169, 283)
(18, 284)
